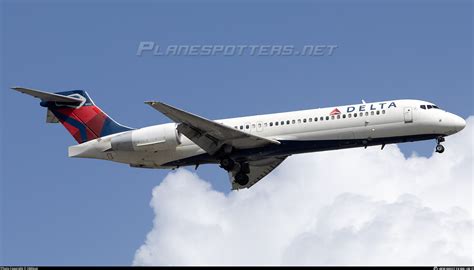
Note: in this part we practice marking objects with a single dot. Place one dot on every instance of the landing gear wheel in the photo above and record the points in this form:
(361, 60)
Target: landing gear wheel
(228, 164)
(439, 148)
(241, 179)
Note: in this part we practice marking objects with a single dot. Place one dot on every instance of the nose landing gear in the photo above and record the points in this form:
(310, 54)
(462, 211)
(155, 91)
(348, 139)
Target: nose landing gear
(439, 147)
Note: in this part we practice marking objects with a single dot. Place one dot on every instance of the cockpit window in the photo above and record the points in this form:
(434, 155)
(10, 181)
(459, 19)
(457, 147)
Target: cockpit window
(425, 107)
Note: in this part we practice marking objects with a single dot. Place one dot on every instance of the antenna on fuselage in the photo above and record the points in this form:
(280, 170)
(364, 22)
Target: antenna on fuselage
(363, 101)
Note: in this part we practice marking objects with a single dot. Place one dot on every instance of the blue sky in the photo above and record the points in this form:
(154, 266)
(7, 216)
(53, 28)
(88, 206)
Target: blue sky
(57, 210)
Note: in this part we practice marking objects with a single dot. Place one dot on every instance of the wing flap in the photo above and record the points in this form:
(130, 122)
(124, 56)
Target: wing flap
(210, 144)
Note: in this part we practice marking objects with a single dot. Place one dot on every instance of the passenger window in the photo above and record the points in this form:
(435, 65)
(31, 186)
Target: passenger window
(372, 113)
(299, 121)
(321, 118)
(361, 114)
(265, 124)
(383, 111)
(378, 112)
(235, 127)
(304, 120)
(247, 126)
(338, 116)
(288, 122)
(355, 115)
(282, 123)
(276, 123)
(253, 125)
(343, 116)
(241, 127)
(366, 113)
(271, 124)
(327, 117)
(315, 119)
(293, 121)
(310, 119)
(423, 107)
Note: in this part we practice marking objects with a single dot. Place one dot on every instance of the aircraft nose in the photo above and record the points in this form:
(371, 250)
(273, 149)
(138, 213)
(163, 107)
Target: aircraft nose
(458, 123)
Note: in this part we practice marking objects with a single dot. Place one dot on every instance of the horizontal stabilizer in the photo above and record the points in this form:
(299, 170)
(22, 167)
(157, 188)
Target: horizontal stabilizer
(46, 96)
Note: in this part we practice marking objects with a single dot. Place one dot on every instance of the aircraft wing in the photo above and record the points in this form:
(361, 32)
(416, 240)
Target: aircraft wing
(258, 170)
(208, 134)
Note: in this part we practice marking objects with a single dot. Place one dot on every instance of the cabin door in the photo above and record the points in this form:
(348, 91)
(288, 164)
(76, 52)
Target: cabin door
(408, 114)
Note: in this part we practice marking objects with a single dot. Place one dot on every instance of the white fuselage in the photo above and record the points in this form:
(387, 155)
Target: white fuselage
(161, 146)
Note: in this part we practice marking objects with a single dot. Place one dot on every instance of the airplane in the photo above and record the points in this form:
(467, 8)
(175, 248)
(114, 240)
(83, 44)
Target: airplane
(250, 147)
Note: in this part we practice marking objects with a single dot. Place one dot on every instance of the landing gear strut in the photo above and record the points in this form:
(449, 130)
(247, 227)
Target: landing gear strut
(439, 147)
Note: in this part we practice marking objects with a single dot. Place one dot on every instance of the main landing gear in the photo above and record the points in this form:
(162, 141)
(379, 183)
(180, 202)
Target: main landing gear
(439, 147)
(242, 179)
(227, 164)
(240, 168)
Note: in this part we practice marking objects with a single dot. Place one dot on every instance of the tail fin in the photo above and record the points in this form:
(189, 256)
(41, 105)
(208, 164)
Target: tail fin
(78, 113)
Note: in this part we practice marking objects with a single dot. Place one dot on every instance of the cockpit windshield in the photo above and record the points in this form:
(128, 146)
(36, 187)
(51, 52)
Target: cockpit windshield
(428, 106)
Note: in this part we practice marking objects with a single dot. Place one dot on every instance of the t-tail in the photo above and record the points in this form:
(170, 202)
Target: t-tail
(77, 112)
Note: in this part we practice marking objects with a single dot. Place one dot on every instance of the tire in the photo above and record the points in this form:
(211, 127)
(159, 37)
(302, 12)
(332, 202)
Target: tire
(439, 148)
(242, 179)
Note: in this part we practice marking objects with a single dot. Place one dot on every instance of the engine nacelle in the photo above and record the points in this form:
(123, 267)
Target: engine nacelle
(154, 138)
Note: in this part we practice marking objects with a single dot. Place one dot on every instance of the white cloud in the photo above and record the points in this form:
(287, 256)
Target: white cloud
(341, 207)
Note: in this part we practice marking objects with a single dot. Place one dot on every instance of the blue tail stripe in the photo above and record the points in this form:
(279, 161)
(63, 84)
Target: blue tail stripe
(73, 122)
(112, 127)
